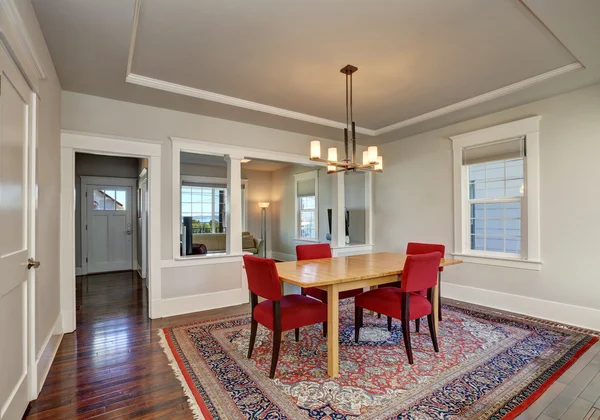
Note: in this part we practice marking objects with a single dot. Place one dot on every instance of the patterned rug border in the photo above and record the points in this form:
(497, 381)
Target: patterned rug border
(508, 412)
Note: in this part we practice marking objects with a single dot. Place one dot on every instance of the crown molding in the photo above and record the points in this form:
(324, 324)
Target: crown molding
(19, 42)
(481, 98)
(229, 100)
(134, 29)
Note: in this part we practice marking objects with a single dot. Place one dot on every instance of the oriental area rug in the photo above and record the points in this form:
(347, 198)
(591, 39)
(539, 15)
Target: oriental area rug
(491, 365)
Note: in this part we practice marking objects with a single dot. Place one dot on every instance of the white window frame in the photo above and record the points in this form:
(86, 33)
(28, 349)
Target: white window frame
(305, 176)
(530, 257)
(218, 181)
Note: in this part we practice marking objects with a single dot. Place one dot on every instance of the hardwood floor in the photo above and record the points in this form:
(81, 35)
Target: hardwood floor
(112, 366)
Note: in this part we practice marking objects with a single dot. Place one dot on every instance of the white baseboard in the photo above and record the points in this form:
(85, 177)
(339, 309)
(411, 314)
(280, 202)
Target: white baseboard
(78, 271)
(196, 303)
(282, 257)
(47, 352)
(554, 311)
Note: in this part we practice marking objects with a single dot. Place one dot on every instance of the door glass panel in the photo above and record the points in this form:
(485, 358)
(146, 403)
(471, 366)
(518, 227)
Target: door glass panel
(98, 200)
(109, 199)
(121, 203)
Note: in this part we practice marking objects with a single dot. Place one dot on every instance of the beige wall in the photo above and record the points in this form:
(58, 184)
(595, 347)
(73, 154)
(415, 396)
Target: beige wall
(283, 211)
(48, 178)
(93, 114)
(414, 200)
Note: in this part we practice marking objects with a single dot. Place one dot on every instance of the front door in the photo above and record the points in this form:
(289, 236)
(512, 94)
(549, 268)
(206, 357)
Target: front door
(15, 97)
(109, 228)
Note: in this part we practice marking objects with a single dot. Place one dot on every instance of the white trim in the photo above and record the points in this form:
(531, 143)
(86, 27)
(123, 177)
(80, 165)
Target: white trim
(14, 33)
(531, 255)
(282, 256)
(207, 259)
(203, 302)
(500, 261)
(93, 143)
(306, 176)
(134, 29)
(255, 106)
(559, 312)
(150, 82)
(348, 250)
(47, 353)
(105, 181)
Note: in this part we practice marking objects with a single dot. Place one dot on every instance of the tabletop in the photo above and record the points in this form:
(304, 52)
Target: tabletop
(327, 271)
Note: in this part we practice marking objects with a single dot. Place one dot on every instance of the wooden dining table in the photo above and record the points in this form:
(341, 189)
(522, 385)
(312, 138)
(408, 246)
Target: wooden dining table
(338, 274)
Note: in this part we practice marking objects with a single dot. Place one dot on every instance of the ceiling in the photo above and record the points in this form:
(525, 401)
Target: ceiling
(422, 64)
(212, 160)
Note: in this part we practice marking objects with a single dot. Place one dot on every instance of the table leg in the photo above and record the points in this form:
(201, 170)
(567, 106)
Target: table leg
(282, 293)
(436, 298)
(333, 361)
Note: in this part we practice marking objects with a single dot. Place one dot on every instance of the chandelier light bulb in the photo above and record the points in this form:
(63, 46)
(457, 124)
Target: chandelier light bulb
(365, 159)
(332, 154)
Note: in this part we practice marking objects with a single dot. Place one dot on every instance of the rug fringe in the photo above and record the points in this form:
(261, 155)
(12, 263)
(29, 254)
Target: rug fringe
(186, 389)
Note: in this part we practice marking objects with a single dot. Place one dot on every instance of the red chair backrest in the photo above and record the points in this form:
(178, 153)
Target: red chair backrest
(312, 252)
(263, 279)
(414, 248)
(420, 272)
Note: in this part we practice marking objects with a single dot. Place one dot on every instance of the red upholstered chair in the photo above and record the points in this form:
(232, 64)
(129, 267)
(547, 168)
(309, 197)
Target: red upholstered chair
(278, 313)
(405, 303)
(415, 248)
(315, 252)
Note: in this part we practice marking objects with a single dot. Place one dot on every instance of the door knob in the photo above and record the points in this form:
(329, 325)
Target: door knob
(31, 263)
(129, 228)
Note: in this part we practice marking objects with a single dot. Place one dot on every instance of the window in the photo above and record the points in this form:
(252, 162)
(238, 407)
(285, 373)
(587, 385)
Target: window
(206, 205)
(307, 206)
(111, 200)
(495, 193)
(496, 187)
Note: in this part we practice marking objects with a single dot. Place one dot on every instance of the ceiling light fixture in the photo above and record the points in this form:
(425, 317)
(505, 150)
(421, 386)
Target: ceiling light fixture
(371, 161)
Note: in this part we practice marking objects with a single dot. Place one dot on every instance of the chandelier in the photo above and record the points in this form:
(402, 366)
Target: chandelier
(371, 161)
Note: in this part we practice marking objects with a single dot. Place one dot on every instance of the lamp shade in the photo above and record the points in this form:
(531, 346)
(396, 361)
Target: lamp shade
(315, 149)
(332, 154)
(379, 165)
(263, 204)
(365, 159)
(372, 153)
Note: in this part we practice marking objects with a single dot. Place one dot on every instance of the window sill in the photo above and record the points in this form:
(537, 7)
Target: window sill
(192, 260)
(301, 240)
(500, 261)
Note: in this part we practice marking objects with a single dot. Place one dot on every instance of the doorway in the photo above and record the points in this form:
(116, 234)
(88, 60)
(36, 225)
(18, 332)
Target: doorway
(73, 144)
(108, 236)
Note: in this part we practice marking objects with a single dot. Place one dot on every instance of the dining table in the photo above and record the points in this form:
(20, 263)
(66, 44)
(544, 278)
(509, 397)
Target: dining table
(338, 274)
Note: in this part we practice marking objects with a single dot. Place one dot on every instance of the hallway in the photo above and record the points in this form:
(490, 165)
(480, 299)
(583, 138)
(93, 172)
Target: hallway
(112, 366)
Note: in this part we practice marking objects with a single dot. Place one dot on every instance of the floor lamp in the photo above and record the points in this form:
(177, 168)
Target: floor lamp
(263, 210)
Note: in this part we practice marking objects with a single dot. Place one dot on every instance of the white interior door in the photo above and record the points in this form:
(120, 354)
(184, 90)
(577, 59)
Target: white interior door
(109, 228)
(15, 97)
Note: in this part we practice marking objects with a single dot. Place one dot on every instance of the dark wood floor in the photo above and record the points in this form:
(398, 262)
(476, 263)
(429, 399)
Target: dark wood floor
(112, 366)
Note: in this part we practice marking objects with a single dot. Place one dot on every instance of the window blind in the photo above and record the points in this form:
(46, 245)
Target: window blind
(500, 150)
(306, 188)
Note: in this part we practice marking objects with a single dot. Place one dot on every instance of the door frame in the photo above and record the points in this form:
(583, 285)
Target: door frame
(77, 142)
(108, 181)
(143, 206)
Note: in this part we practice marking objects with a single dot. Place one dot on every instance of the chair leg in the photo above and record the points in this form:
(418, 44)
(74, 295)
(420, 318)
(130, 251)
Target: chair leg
(406, 337)
(297, 334)
(406, 325)
(358, 321)
(433, 333)
(417, 324)
(276, 346)
(389, 322)
(439, 296)
(253, 327)
(325, 329)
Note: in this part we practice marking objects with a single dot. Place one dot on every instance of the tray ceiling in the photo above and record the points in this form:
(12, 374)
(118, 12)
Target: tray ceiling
(269, 61)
